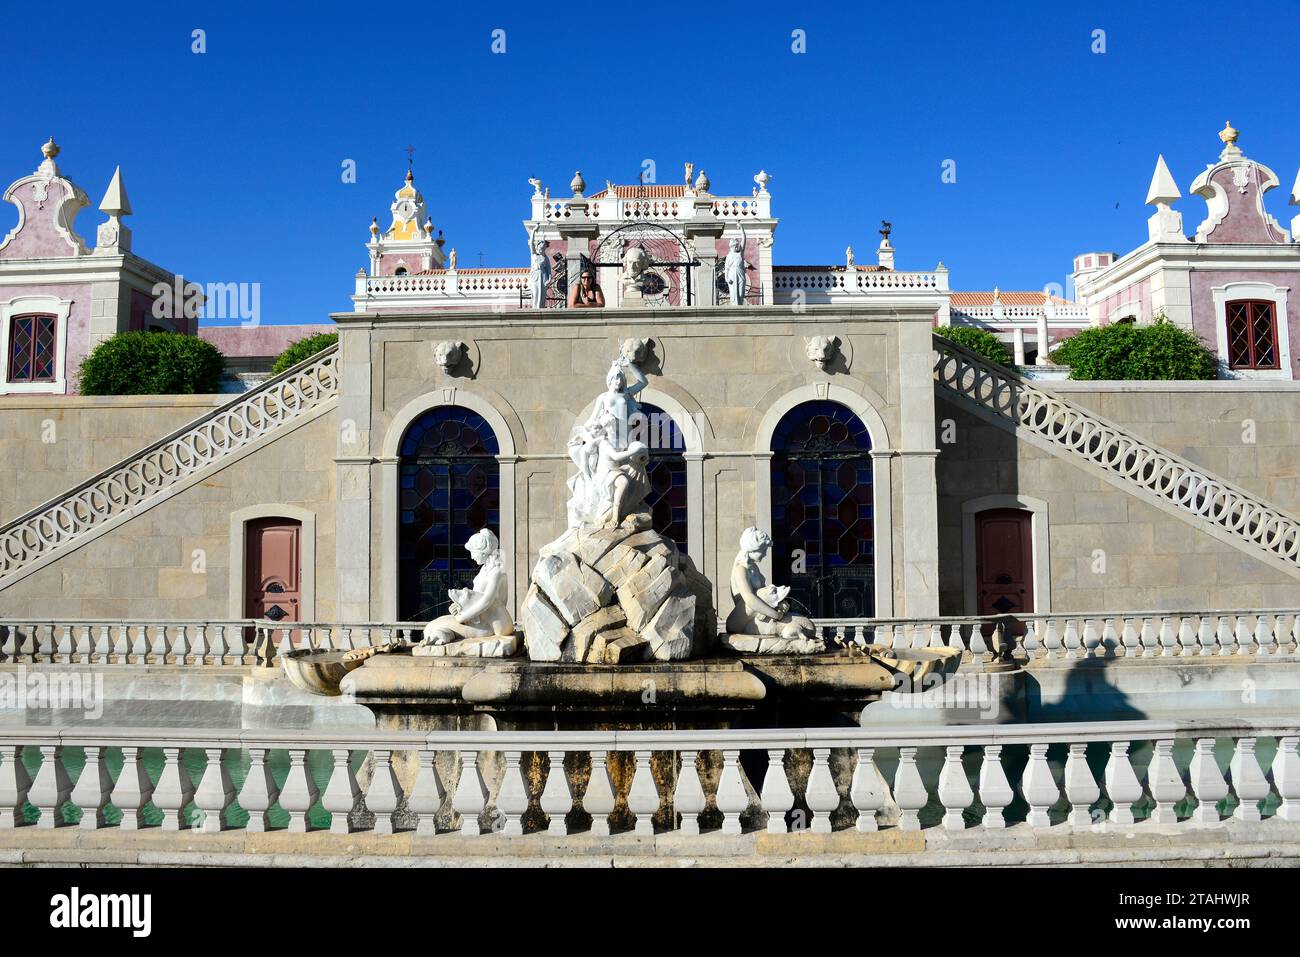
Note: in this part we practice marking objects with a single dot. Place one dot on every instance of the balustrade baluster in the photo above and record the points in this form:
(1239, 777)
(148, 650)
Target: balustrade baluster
(1208, 783)
(598, 801)
(1227, 637)
(898, 639)
(731, 798)
(820, 794)
(140, 647)
(642, 797)
(1033, 640)
(93, 788)
(470, 796)
(1165, 783)
(776, 798)
(45, 642)
(285, 646)
(1132, 641)
(215, 793)
(512, 798)
(1286, 777)
(954, 789)
(1122, 785)
(1264, 639)
(1091, 638)
(1295, 634)
(1168, 636)
(1052, 640)
(1186, 640)
(15, 783)
(299, 792)
(64, 647)
(936, 636)
(51, 789)
(1110, 640)
(235, 646)
(25, 642)
(909, 790)
(1081, 788)
(995, 790)
(342, 792)
(868, 790)
(1038, 787)
(181, 646)
(1245, 637)
(259, 791)
(132, 790)
(1248, 781)
(978, 646)
(427, 795)
(385, 793)
(158, 649)
(174, 790)
(1071, 639)
(557, 796)
(1150, 638)
(689, 800)
(1205, 636)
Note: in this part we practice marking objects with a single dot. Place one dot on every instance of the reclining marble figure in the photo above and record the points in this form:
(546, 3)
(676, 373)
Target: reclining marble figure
(761, 610)
(481, 611)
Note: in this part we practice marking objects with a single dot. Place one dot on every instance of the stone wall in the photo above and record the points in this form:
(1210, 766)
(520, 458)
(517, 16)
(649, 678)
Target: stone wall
(52, 443)
(173, 560)
(1109, 550)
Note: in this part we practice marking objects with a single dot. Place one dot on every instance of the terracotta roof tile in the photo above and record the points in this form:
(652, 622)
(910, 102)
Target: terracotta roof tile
(643, 192)
(1008, 299)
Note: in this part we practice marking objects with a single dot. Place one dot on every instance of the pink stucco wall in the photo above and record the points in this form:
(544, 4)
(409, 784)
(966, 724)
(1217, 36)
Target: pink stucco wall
(1204, 320)
(39, 237)
(259, 341)
(1245, 221)
(1121, 303)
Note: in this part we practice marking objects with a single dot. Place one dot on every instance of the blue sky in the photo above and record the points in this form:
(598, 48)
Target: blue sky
(232, 158)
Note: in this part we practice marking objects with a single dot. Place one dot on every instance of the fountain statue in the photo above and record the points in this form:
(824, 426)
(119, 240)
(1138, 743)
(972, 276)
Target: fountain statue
(479, 622)
(761, 620)
(611, 589)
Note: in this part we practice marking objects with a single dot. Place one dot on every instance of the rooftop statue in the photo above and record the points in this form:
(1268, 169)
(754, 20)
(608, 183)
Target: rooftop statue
(733, 270)
(539, 271)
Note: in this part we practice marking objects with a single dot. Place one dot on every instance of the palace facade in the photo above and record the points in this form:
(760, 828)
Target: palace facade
(899, 475)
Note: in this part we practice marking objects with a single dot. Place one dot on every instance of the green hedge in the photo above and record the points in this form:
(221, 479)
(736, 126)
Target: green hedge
(1127, 351)
(152, 363)
(980, 341)
(303, 349)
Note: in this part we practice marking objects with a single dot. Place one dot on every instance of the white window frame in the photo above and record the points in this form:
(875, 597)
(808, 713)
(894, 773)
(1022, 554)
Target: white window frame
(39, 305)
(1267, 292)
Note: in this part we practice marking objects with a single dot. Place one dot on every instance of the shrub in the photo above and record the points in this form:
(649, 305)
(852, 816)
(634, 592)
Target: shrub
(152, 363)
(1127, 351)
(303, 349)
(979, 341)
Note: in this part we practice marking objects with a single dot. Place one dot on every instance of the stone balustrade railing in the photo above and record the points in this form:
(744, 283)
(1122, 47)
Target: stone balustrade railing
(1058, 776)
(1129, 634)
(148, 476)
(1263, 633)
(192, 643)
(1156, 475)
(1070, 315)
(835, 282)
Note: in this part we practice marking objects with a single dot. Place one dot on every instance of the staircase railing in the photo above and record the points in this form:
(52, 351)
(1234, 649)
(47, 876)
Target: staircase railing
(123, 488)
(1164, 477)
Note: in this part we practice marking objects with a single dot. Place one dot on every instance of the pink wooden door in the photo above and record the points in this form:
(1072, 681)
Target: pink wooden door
(273, 570)
(1004, 561)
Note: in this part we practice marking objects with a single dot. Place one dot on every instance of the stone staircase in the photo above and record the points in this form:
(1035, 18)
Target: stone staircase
(1153, 474)
(170, 465)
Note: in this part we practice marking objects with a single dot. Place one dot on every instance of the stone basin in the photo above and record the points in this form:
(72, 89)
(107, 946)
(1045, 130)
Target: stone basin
(317, 672)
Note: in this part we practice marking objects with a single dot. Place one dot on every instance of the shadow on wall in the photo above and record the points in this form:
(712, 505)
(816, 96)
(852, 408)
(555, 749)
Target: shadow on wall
(1087, 695)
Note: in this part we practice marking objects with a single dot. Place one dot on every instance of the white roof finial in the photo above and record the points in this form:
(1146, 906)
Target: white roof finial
(1295, 190)
(1163, 189)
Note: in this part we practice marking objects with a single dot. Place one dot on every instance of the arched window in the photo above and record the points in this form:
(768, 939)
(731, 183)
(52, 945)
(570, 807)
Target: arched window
(822, 516)
(667, 499)
(449, 487)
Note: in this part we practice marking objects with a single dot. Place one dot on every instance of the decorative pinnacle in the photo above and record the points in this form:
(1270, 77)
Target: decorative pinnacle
(577, 184)
(50, 149)
(1228, 134)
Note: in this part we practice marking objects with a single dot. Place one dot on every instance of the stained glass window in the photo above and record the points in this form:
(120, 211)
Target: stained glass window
(823, 521)
(449, 487)
(32, 349)
(667, 471)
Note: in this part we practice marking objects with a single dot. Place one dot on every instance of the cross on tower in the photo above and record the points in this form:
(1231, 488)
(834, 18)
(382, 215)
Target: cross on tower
(410, 156)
